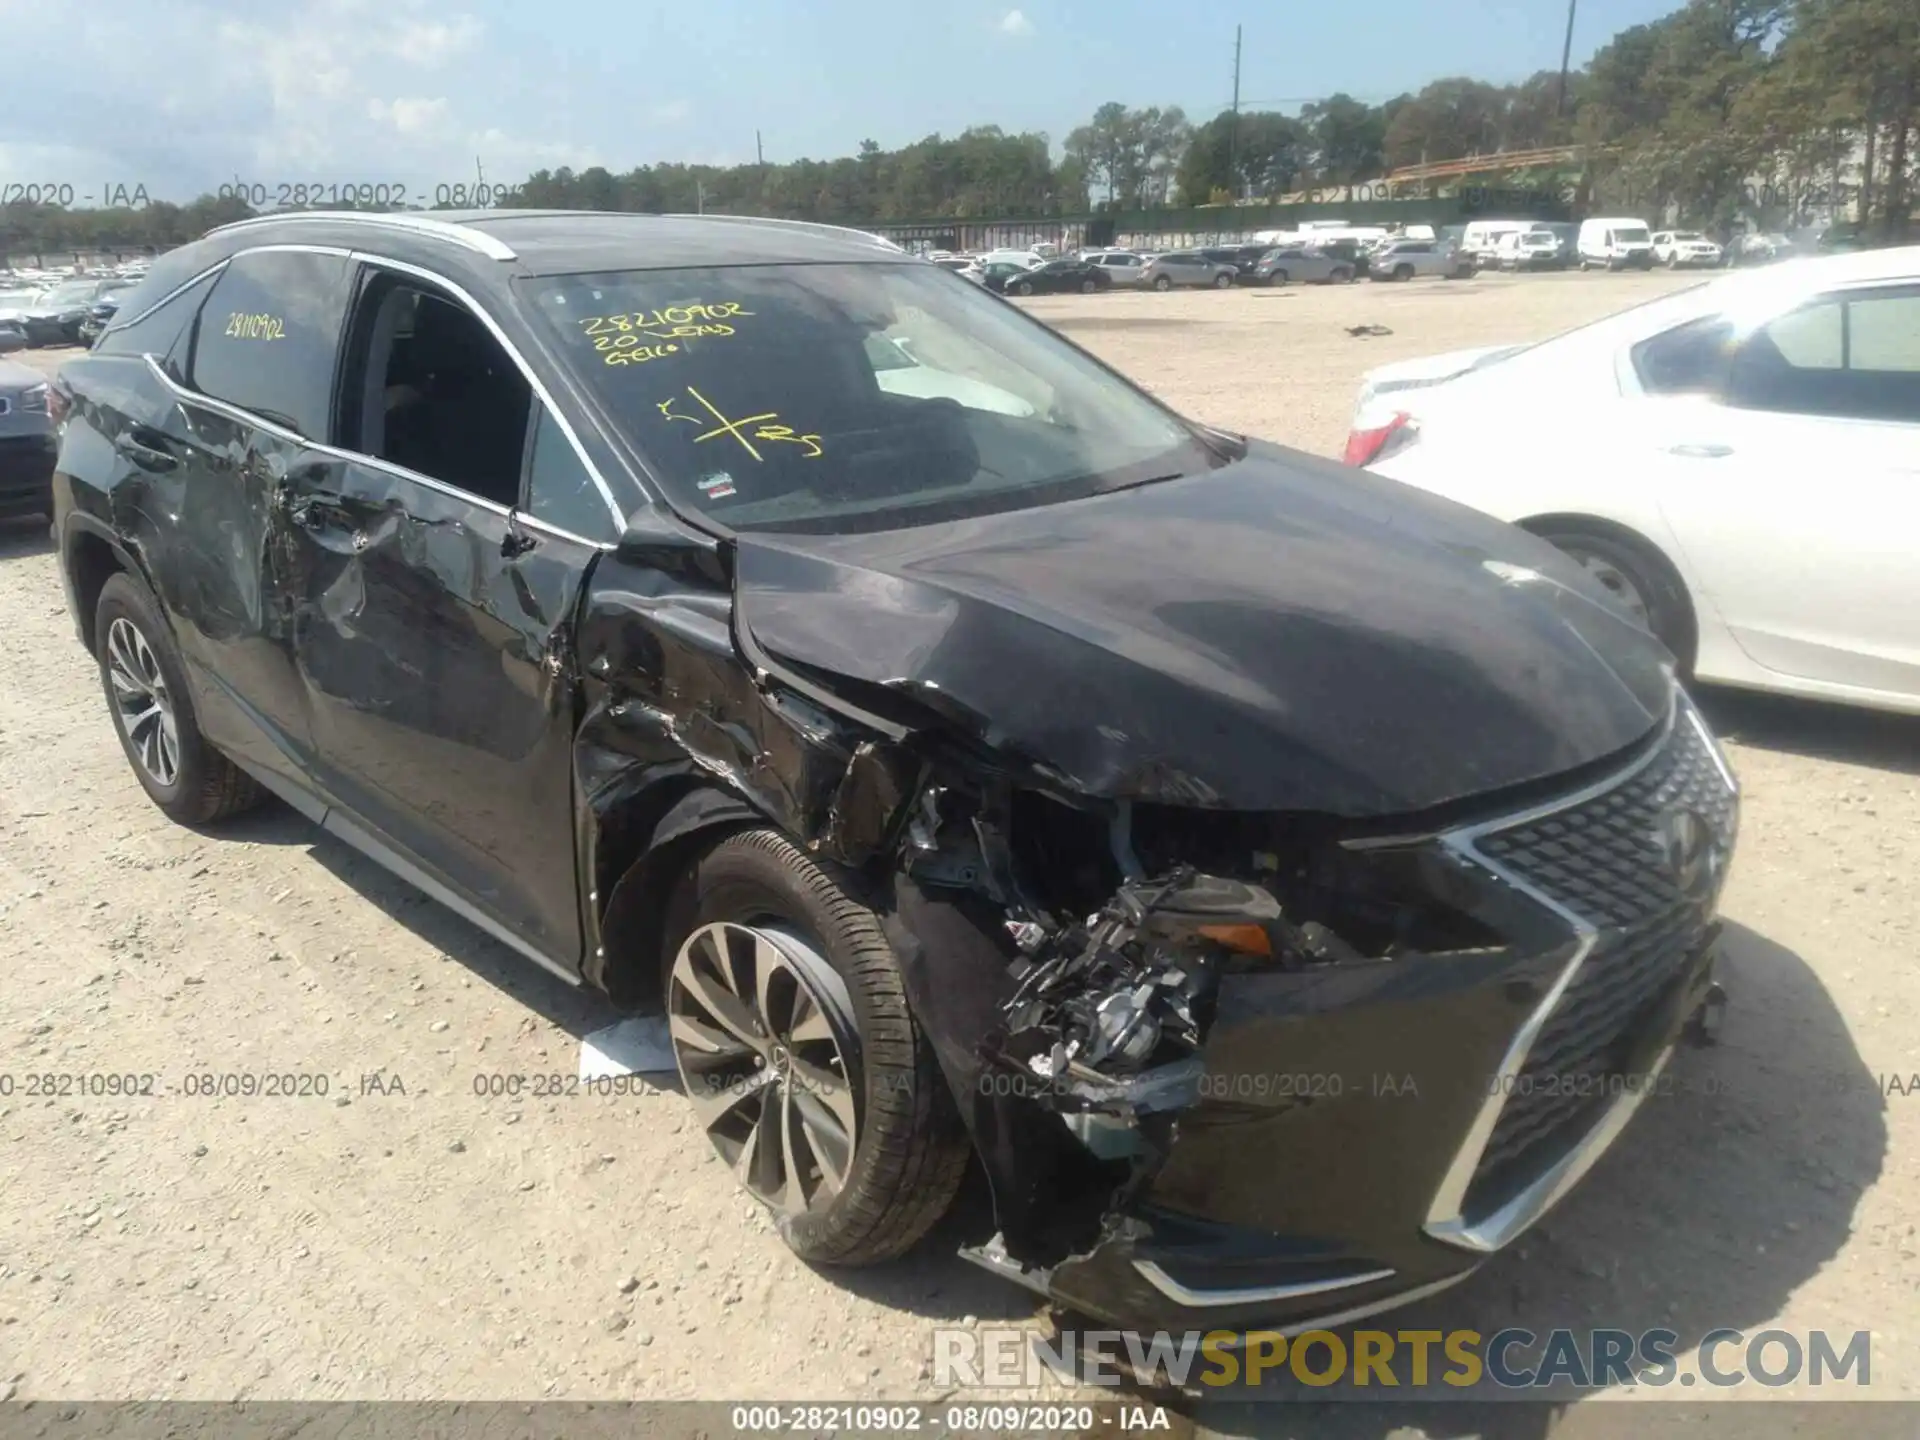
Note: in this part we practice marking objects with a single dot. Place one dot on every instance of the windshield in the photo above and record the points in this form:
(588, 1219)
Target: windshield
(1630, 234)
(1688, 235)
(851, 397)
(71, 294)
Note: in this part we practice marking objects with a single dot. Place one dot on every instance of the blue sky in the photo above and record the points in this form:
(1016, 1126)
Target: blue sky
(181, 96)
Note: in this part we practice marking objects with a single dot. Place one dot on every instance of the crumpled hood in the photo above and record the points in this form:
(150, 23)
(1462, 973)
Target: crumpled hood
(1278, 634)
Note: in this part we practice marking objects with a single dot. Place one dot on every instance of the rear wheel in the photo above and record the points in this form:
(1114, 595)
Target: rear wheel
(1223, 282)
(1403, 272)
(1342, 276)
(1278, 277)
(802, 1060)
(1023, 287)
(146, 688)
(1161, 282)
(1087, 287)
(1639, 578)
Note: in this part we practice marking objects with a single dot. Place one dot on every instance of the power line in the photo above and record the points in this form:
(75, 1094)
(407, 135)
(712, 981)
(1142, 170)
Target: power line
(1233, 125)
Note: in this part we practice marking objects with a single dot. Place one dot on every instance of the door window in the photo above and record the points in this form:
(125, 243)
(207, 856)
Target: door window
(160, 331)
(560, 491)
(1853, 356)
(268, 336)
(431, 390)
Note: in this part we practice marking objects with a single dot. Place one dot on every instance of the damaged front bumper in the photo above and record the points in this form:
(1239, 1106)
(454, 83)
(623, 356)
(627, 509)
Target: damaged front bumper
(1198, 1113)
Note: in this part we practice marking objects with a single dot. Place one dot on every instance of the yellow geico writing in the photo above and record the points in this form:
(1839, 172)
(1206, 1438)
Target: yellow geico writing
(764, 427)
(255, 327)
(623, 339)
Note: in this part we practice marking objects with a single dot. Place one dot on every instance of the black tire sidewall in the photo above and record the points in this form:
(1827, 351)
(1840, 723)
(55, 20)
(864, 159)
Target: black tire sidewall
(760, 877)
(125, 597)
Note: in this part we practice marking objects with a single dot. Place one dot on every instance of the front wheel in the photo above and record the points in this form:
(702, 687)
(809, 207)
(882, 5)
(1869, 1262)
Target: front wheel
(1342, 276)
(1087, 287)
(803, 1062)
(1403, 272)
(1278, 277)
(1025, 287)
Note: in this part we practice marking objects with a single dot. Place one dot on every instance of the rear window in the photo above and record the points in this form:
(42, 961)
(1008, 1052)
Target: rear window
(268, 335)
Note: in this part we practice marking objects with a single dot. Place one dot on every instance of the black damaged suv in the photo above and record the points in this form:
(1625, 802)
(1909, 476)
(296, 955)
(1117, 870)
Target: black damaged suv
(1285, 882)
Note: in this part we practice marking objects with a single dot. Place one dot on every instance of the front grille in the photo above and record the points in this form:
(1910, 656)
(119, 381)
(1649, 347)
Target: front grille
(1604, 859)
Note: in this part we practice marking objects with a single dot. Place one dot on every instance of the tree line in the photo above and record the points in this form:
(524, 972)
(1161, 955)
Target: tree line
(1814, 102)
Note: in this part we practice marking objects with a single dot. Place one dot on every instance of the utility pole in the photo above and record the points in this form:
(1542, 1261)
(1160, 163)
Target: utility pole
(1233, 125)
(1566, 54)
(759, 151)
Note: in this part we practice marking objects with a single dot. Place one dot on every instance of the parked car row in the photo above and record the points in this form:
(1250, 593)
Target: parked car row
(57, 314)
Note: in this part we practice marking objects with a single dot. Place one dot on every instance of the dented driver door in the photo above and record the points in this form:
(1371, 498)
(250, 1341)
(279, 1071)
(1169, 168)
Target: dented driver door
(433, 634)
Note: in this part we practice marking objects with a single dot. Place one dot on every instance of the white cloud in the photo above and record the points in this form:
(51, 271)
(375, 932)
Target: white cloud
(671, 112)
(318, 92)
(1015, 22)
(430, 43)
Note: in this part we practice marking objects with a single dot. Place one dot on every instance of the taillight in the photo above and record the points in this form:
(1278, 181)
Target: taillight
(1366, 446)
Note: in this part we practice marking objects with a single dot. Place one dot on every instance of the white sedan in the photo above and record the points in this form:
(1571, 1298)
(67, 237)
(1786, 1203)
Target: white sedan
(1738, 463)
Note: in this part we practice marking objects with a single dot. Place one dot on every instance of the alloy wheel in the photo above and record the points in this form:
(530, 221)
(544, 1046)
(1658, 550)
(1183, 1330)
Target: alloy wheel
(761, 1040)
(1616, 581)
(142, 704)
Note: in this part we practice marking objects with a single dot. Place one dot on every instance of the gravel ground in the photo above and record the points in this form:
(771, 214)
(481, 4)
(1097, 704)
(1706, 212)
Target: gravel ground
(433, 1244)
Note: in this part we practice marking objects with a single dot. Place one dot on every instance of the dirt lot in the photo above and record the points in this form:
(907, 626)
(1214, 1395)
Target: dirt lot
(434, 1244)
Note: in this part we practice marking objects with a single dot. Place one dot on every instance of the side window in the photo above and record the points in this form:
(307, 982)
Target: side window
(560, 492)
(1854, 356)
(1689, 359)
(268, 336)
(157, 333)
(430, 389)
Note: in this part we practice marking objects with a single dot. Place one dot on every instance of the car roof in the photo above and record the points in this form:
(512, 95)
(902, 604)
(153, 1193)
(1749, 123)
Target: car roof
(554, 242)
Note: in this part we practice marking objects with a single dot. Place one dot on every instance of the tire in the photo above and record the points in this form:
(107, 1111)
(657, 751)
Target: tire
(1223, 282)
(1341, 276)
(1278, 277)
(1403, 272)
(1024, 287)
(910, 1150)
(132, 642)
(1616, 558)
(1161, 282)
(1087, 287)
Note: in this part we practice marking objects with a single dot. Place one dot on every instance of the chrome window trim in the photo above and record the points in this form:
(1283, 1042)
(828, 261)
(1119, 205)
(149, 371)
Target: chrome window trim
(216, 268)
(534, 383)
(533, 522)
(513, 351)
(1250, 1295)
(463, 235)
(1446, 1220)
(355, 457)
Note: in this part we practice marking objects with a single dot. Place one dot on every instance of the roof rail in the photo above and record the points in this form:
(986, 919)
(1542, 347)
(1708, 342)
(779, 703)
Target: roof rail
(778, 222)
(466, 235)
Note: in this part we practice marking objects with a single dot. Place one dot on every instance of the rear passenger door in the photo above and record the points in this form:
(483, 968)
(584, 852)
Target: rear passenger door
(437, 575)
(249, 387)
(1797, 495)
